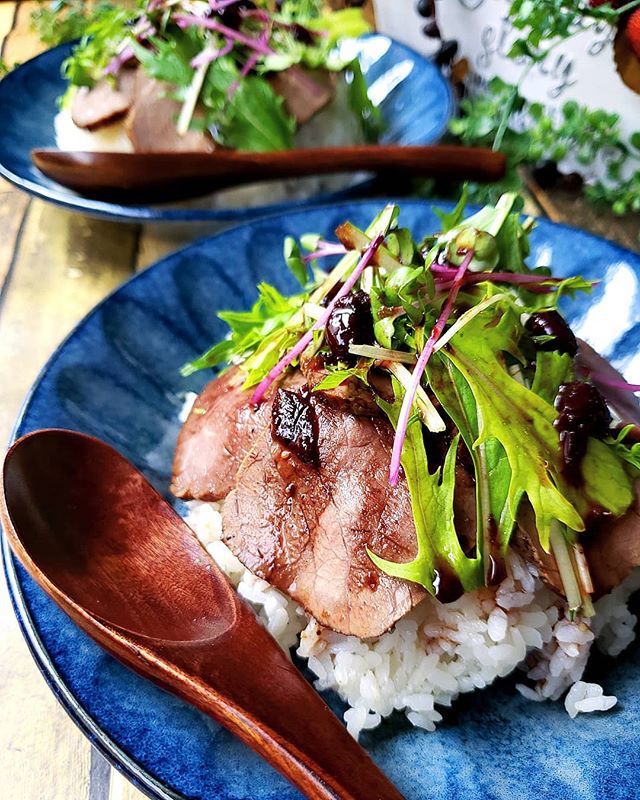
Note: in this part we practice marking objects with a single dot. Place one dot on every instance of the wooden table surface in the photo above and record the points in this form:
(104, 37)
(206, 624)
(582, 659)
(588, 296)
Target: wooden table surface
(54, 266)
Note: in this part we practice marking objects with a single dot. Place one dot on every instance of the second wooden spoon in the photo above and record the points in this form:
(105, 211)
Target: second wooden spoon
(131, 177)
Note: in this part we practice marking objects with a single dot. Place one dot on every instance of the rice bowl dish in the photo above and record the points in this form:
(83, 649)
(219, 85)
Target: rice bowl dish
(441, 651)
(435, 647)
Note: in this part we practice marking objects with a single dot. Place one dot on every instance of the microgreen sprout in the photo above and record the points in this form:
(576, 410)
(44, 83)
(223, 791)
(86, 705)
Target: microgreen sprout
(420, 367)
(454, 347)
(305, 341)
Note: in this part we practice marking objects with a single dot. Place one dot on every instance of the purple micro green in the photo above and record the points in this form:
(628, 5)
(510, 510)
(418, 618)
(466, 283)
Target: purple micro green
(613, 383)
(324, 249)
(246, 69)
(305, 341)
(447, 274)
(187, 20)
(425, 355)
(207, 56)
(113, 67)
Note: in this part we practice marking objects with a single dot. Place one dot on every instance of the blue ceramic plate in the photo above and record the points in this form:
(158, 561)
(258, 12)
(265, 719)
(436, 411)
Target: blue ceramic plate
(414, 98)
(116, 377)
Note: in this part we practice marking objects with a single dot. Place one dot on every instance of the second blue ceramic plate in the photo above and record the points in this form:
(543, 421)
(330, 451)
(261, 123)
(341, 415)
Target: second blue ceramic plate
(414, 98)
(117, 377)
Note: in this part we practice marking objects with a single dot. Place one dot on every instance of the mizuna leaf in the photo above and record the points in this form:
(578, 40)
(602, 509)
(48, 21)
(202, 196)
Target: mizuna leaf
(432, 504)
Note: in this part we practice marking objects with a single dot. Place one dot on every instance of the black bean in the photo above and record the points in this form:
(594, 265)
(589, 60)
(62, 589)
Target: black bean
(294, 423)
(431, 30)
(350, 323)
(231, 16)
(425, 8)
(550, 323)
(446, 53)
(582, 412)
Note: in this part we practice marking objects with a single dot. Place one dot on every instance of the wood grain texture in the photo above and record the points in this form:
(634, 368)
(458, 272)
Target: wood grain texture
(122, 789)
(63, 265)
(7, 14)
(157, 241)
(572, 209)
(13, 207)
(21, 43)
(144, 177)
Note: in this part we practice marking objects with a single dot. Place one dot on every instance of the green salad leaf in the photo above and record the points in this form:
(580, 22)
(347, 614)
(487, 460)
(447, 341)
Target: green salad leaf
(489, 385)
(169, 59)
(495, 516)
(552, 370)
(432, 503)
(337, 377)
(257, 119)
(629, 453)
(65, 20)
(519, 419)
(253, 333)
(97, 47)
(345, 23)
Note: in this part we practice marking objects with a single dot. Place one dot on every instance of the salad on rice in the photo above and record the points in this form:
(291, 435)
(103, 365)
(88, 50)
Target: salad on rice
(416, 473)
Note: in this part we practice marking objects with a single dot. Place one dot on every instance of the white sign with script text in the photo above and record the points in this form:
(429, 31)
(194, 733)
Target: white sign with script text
(581, 68)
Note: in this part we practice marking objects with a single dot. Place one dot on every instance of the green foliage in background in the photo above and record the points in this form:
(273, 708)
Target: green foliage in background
(503, 119)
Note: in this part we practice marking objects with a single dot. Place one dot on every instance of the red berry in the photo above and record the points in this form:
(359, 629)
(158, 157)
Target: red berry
(633, 32)
(596, 3)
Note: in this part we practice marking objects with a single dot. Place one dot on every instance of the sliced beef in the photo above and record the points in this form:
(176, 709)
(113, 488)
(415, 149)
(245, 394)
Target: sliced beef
(612, 548)
(305, 91)
(526, 542)
(624, 403)
(216, 437)
(464, 507)
(305, 529)
(352, 395)
(105, 103)
(151, 122)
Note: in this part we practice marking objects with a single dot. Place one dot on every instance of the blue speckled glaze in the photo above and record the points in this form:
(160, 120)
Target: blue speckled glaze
(414, 99)
(116, 377)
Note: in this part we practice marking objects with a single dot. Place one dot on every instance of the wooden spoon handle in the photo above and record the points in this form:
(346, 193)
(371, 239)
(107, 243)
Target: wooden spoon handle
(437, 161)
(160, 175)
(267, 703)
(249, 686)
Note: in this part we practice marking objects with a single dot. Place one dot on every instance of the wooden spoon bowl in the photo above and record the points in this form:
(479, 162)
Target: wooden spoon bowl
(115, 556)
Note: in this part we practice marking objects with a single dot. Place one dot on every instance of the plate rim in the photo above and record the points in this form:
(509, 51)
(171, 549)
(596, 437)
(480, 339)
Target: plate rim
(117, 757)
(102, 209)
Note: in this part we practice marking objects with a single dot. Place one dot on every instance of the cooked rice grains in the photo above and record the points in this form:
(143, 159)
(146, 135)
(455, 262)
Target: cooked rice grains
(438, 651)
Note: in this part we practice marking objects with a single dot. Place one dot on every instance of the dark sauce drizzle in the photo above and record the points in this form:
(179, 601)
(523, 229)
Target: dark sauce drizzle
(446, 583)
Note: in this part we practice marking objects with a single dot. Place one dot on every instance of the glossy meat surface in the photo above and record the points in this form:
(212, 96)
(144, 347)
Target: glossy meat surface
(151, 122)
(104, 103)
(306, 530)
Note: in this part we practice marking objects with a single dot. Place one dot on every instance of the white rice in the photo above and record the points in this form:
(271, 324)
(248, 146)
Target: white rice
(108, 139)
(438, 651)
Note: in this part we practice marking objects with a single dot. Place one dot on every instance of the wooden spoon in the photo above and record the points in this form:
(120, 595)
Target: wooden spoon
(132, 177)
(117, 558)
